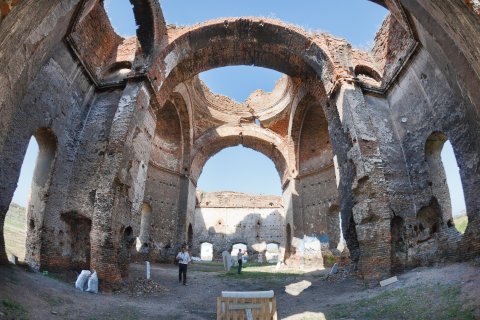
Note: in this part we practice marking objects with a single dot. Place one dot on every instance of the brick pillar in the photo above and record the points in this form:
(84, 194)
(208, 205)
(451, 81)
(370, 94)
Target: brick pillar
(182, 210)
(293, 208)
(371, 212)
(121, 182)
(298, 225)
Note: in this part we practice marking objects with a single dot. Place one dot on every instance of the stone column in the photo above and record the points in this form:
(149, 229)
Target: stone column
(371, 212)
(121, 181)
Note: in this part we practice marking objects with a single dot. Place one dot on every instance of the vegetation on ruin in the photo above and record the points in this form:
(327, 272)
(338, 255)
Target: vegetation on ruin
(436, 301)
(15, 230)
(461, 223)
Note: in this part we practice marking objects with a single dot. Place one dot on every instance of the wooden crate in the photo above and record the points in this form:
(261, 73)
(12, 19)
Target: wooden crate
(246, 308)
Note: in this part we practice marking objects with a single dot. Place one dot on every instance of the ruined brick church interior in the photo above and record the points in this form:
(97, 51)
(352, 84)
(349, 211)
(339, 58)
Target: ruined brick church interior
(125, 126)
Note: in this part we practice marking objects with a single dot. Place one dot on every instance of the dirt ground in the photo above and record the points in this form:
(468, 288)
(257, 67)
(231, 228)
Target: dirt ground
(28, 295)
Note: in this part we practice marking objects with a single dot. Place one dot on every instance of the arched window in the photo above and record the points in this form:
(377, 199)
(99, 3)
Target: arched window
(29, 200)
(445, 181)
(206, 251)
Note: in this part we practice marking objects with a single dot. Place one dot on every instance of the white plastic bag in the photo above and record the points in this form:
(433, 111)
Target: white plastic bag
(93, 283)
(82, 279)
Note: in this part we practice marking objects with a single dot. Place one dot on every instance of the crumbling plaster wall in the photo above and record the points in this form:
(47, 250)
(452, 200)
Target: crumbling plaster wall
(227, 218)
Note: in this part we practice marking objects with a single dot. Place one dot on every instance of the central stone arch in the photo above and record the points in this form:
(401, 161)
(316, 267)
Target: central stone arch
(251, 136)
(254, 41)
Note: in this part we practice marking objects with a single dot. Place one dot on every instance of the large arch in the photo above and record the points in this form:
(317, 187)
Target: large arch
(262, 140)
(254, 41)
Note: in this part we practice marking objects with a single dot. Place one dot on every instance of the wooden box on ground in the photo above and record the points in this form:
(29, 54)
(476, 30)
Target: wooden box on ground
(253, 305)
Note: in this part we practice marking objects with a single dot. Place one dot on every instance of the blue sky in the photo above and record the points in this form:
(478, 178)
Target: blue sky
(239, 168)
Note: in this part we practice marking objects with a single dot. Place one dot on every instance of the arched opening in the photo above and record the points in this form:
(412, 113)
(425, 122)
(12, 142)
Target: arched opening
(315, 16)
(127, 241)
(272, 253)
(206, 251)
(236, 247)
(445, 181)
(143, 239)
(240, 201)
(168, 140)
(24, 220)
(15, 225)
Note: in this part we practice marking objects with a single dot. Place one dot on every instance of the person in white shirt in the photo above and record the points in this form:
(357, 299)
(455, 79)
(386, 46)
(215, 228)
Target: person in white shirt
(183, 259)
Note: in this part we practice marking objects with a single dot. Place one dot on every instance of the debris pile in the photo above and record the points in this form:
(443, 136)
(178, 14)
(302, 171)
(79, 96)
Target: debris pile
(141, 286)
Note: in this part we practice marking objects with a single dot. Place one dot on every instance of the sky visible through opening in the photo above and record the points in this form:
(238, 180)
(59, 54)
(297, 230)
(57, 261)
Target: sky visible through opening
(238, 168)
(238, 82)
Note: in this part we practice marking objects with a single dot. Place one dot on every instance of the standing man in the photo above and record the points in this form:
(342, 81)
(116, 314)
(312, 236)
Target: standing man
(240, 260)
(183, 259)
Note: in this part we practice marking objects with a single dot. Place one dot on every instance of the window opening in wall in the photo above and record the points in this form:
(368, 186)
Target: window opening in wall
(455, 187)
(120, 13)
(240, 82)
(236, 247)
(320, 16)
(445, 181)
(240, 169)
(29, 195)
(206, 251)
(15, 228)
